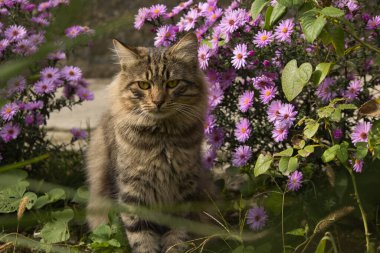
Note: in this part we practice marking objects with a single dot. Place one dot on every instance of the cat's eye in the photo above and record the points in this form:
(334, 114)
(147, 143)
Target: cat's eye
(144, 85)
(172, 84)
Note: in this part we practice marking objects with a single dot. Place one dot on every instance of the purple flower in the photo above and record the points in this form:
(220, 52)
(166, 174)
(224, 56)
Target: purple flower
(190, 19)
(44, 6)
(256, 218)
(227, 78)
(280, 132)
(78, 134)
(295, 181)
(325, 90)
(267, 94)
(287, 114)
(142, 15)
(213, 16)
(210, 123)
(157, 11)
(357, 165)
(24, 47)
(240, 54)
(15, 33)
(36, 39)
(274, 110)
(337, 133)
(50, 74)
(9, 111)
(34, 105)
(4, 43)
(212, 76)
(353, 89)
(360, 132)
(215, 96)
(241, 156)
(71, 73)
(242, 130)
(216, 137)
(57, 56)
(263, 38)
(203, 56)
(262, 82)
(246, 101)
(284, 30)
(85, 94)
(209, 158)
(44, 87)
(29, 119)
(165, 36)
(373, 23)
(16, 84)
(73, 31)
(229, 22)
(9, 132)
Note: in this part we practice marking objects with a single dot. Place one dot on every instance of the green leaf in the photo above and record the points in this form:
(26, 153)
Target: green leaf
(10, 197)
(293, 79)
(311, 129)
(32, 199)
(283, 164)
(321, 246)
(278, 12)
(347, 107)
(342, 153)
(293, 164)
(256, 7)
(335, 36)
(297, 232)
(12, 178)
(361, 150)
(272, 203)
(312, 26)
(321, 71)
(263, 164)
(332, 12)
(50, 197)
(65, 215)
(336, 116)
(325, 112)
(330, 153)
(114, 243)
(290, 3)
(53, 232)
(374, 134)
(101, 233)
(287, 152)
(268, 14)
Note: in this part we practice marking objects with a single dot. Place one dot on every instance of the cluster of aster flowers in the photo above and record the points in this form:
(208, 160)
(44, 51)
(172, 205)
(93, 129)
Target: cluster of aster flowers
(243, 61)
(32, 95)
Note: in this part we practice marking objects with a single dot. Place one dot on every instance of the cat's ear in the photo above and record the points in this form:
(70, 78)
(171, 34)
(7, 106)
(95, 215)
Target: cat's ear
(125, 53)
(186, 49)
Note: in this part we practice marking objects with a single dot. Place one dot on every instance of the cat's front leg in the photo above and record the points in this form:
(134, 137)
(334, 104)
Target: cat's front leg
(174, 241)
(141, 234)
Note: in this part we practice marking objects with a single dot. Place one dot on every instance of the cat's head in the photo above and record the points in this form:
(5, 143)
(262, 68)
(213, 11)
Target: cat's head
(161, 82)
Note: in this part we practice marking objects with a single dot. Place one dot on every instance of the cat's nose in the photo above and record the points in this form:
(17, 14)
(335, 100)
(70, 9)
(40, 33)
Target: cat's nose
(158, 103)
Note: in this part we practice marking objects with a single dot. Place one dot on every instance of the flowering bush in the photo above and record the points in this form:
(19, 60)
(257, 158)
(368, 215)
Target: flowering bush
(280, 122)
(33, 94)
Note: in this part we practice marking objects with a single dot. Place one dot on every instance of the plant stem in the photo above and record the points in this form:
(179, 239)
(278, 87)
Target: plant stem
(364, 216)
(365, 44)
(282, 221)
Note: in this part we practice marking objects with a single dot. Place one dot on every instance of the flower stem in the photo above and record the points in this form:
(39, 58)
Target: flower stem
(365, 44)
(282, 221)
(364, 216)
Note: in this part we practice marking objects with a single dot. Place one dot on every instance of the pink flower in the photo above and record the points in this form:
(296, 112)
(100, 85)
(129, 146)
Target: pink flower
(243, 130)
(267, 94)
(263, 38)
(240, 55)
(165, 36)
(203, 56)
(246, 101)
(360, 133)
(284, 30)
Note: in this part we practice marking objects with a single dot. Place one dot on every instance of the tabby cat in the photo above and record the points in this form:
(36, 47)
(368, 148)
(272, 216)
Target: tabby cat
(147, 148)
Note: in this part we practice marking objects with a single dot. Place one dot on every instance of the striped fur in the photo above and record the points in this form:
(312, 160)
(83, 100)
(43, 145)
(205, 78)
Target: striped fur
(147, 148)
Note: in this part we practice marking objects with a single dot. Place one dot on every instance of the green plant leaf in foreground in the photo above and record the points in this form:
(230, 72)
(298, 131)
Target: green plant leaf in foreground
(321, 71)
(262, 164)
(312, 26)
(257, 7)
(293, 79)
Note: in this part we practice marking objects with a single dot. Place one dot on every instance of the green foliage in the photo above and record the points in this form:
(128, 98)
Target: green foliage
(57, 230)
(257, 7)
(321, 71)
(293, 79)
(263, 164)
(312, 25)
(332, 12)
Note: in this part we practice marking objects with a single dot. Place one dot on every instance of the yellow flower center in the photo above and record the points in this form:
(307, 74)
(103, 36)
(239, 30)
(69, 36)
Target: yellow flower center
(246, 101)
(156, 11)
(243, 130)
(239, 56)
(264, 38)
(267, 93)
(284, 30)
(8, 110)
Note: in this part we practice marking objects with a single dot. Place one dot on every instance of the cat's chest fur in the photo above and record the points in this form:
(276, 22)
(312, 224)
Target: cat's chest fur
(158, 167)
